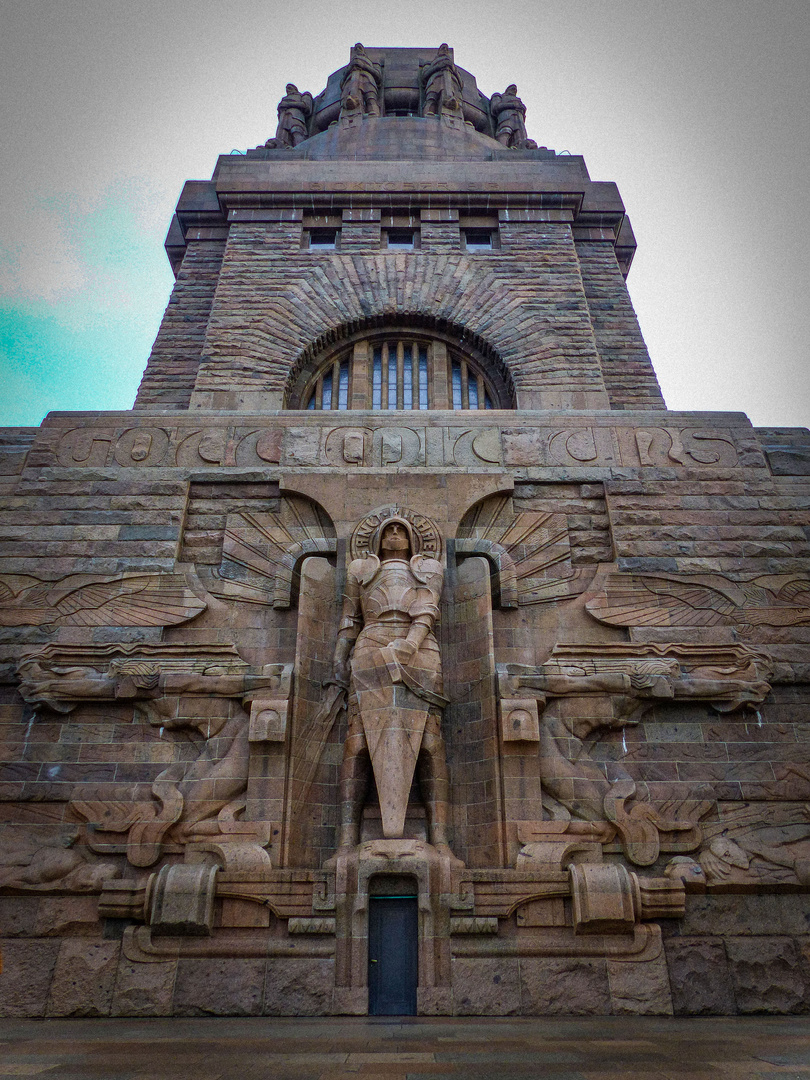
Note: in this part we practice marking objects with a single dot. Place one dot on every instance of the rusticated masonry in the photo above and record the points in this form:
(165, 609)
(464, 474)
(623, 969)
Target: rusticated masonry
(175, 358)
(402, 653)
(626, 366)
(526, 300)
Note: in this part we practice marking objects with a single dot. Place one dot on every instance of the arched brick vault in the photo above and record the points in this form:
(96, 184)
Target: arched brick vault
(273, 304)
(313, 355)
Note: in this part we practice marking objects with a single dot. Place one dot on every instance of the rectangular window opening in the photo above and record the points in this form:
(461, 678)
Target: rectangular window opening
(392, 379)
(376, 381)
(401, 239)
(478, 239)
(323, 239)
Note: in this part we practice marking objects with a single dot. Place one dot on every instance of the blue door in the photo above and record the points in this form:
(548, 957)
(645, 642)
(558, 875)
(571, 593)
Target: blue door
(393, 955)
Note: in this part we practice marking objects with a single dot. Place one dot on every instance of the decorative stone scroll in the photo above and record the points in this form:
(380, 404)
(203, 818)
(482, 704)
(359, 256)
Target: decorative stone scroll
(702, 600)
(90, 600)
(607, 898)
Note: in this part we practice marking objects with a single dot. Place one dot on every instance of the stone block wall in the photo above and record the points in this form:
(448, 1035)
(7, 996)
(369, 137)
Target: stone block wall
(626, 367)
(175, 358)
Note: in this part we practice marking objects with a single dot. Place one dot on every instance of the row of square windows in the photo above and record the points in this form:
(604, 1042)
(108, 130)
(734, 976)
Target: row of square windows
(325, 239)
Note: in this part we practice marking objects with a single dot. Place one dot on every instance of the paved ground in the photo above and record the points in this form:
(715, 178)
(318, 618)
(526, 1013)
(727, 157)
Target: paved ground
(611, 1048)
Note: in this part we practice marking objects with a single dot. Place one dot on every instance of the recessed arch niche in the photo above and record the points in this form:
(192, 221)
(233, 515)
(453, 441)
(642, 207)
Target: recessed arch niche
(402, 365)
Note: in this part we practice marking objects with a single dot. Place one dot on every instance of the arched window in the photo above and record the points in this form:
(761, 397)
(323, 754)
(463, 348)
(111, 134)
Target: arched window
(400, 370)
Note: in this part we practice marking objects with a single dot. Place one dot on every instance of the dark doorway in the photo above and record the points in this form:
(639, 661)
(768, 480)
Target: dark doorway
(393, 955)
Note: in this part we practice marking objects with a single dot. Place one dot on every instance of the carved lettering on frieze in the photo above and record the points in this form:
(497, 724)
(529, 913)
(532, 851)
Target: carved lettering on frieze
(145, 447)
(142, 446)
(429, 536)
(395, 446)
(268, 445)
(665, 447)
(398, 446)
(348, 446)
(475, 448)
(582, 446)
(228, 447)
(84, 447)
(551, 447)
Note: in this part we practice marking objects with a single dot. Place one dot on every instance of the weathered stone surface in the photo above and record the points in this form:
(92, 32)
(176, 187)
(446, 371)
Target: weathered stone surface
(735, 915)
(143, 989)
(560, 987)
(63, 915)
(215, 987)
(640, 987)
(84, 978)
(18, 916)
(769, 975)
(298, 987)
(27, 972)
(699, 977)
(486, 988)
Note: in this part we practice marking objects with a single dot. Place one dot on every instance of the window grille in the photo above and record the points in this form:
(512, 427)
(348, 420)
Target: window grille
(400, 373)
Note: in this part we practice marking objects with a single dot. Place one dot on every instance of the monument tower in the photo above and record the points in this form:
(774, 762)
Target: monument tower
(400, 652)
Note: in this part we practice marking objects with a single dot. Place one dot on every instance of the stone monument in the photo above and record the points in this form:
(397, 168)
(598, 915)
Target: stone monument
(400, 651)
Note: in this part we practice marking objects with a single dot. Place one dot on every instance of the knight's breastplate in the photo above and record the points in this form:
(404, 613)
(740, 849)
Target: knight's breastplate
(390, 594)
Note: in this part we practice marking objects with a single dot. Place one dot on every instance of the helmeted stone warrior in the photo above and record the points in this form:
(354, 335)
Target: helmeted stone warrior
(442, 85)
(293, 111)
(360, 85)
(394, 679)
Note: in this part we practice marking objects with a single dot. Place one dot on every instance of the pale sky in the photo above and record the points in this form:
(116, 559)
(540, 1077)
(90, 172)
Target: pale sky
(697, 109)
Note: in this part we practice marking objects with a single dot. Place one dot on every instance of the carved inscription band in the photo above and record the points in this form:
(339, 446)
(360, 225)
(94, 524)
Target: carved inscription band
(385, 445)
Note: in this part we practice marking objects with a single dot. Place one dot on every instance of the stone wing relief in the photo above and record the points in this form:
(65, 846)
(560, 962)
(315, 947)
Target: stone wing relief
(530, 552)
(702, 600)
(202, 693)
(262, 552)
(89, 600)
(584, 691)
